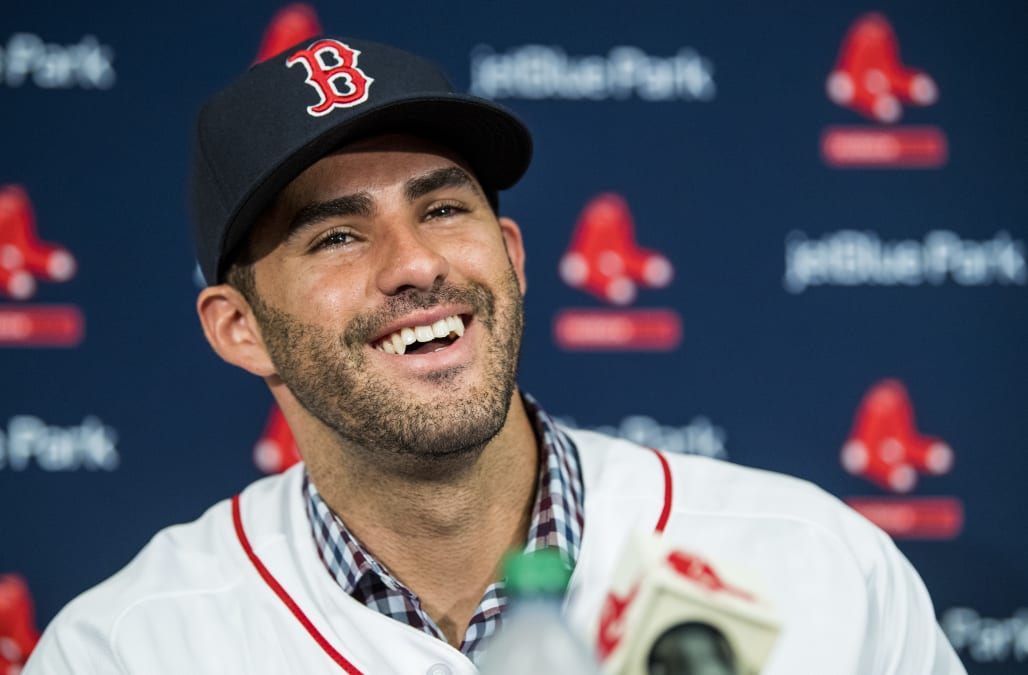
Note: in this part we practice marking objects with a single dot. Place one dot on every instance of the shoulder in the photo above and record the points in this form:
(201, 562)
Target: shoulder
(697, 481)
(816, 557)
(194, 565)
(697, 491)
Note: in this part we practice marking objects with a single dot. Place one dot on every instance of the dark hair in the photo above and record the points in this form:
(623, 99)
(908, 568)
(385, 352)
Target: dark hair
(241, 276)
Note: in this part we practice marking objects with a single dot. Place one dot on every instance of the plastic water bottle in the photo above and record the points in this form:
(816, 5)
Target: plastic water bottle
(534, 638)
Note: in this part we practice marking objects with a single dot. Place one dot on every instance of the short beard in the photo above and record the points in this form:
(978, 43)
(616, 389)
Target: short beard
(326, 373)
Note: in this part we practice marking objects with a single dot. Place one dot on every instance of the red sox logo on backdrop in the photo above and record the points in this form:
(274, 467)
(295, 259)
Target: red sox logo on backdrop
(605, 261)
(886, 448)
(25, 260)
(330, 65)
(23, 257)
(18, 633)
(604, 258)
(870, 79)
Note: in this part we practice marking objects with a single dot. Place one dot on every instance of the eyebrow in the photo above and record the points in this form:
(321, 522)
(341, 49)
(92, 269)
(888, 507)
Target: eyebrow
(357, 204)
(450, 176)
(363, 205)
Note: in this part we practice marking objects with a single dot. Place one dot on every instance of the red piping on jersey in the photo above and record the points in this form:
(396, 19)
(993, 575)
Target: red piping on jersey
(666, 513)
(284, 596)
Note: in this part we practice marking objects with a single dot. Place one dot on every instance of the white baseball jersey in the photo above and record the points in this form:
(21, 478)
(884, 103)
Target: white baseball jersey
(242, 591)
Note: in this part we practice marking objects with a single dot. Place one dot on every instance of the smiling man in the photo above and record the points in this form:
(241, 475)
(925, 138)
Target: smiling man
(346, 211)
(380, 298)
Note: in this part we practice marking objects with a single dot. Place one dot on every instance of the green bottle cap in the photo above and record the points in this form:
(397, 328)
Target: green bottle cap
(541, 572)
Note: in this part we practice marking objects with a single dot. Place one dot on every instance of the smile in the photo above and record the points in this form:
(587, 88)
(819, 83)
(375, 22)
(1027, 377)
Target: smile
(423, 339)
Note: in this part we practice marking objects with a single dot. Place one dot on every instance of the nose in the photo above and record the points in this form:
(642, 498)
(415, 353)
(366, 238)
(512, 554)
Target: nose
(409, 260)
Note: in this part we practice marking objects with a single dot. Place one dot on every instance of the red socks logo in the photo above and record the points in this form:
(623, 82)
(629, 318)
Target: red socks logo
(869, 76)
(885, 446)
(23, 257)
(18, 634)
(292, 24)
(604, 258)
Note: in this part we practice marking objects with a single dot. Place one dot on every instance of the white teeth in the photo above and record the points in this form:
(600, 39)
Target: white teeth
(397, 343)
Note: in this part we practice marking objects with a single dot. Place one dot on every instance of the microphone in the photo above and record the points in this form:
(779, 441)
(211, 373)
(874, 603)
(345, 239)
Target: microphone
(670, 612)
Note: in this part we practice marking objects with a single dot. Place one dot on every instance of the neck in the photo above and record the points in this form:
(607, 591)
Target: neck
(442, 538)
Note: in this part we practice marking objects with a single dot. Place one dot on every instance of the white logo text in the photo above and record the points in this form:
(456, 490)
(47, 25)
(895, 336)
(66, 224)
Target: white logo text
(855, 258)
(86, 65)
(986, 639)
(90, 445)
(544, 72)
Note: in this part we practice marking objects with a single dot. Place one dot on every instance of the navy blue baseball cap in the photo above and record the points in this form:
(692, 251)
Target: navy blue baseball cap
(289, 111)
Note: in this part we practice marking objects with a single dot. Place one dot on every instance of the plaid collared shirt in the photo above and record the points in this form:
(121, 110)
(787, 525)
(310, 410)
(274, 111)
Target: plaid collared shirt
(557, 521)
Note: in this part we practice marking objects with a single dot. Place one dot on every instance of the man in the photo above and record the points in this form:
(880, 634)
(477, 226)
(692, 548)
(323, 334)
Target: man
(346, 218)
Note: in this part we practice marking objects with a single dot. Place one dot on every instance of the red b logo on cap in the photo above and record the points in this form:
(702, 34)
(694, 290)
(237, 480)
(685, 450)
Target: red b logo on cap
(328, 77)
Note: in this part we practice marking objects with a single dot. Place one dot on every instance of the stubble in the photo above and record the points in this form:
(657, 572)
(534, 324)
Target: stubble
(327, 373)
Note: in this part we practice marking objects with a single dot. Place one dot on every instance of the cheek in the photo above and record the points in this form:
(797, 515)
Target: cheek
(483, 255)
(321, 294)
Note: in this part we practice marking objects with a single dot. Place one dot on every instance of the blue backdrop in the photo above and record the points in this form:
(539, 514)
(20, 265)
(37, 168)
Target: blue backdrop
(798, 239)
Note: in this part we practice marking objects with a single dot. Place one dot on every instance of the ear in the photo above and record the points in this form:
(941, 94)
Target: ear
(515, 249)
(231, 329)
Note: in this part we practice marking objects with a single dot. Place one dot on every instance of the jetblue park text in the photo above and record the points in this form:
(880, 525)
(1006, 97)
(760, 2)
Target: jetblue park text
(545, 72)
(857, 258)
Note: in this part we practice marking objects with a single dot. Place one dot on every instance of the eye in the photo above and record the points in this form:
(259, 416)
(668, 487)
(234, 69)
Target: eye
(333, 239)
(445, 210)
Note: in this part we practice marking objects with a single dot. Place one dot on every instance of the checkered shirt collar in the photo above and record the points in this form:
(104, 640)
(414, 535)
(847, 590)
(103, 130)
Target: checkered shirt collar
(557, 521)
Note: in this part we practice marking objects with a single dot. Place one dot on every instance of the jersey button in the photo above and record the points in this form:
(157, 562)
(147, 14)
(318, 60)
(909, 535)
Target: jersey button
(439, 669)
